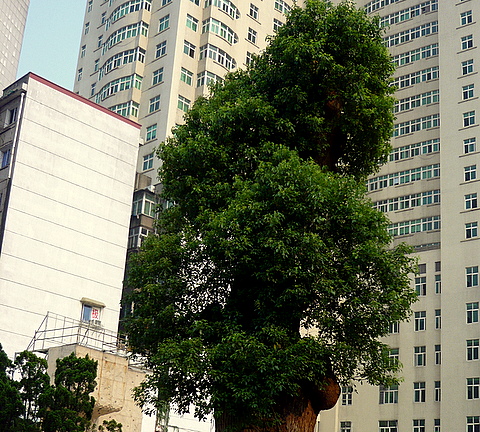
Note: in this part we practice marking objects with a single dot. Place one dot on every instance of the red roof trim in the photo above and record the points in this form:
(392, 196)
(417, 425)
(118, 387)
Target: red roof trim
(81, 99)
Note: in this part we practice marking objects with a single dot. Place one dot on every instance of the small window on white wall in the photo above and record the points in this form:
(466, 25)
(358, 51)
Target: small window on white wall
(92, 311)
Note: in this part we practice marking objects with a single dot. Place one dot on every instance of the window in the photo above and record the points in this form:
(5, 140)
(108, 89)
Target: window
(468, 91)
(438, 284)
(422, 268)
(277, 24)
(472, 276)
(129, 31)
(183, 103)
(394, 327)
(90, 4)
(215, 26)
(470, 172)
(420, 320)
(249, 58)
(83, 51)
(252, 35)
(421, 286)
(466, 17)
(437, 391)
(470, 201)
(92, 89)
(157, 76)
(393, 356)
(226, 6)
(473, 423)
(144, 203)
(387, 426)
(469, 145)
(186, 76)
(95, 65)
(282, 6)
(147, 162)
(253, 11)
(472, 349)
(86, 28)
(91, 313)
(436, 427)
(192, 23)
(197, 2)
(165, 2)
(206, 77)
(419, 425)
(136, 236)
(438, 354)
(473, 388)
(154, 104)
(347, 392)
(12, 116)
(164, 23)
(419, 391)
(472, 312)
(471, 230)
(151, 132)
(161, 49)
(345, 426)
(420, 356)
(218, 55)
(79, 74)
(467, 42)
(438, 319)
(467, 67)
(388, 394)
(5, 157)
(104, 17)
(468, 118)
(126, 109)
(189, 49)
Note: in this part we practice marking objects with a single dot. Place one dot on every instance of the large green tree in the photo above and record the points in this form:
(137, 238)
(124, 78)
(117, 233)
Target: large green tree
(272, 278)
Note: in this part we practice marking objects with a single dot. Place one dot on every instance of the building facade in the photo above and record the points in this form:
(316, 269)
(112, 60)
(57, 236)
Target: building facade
(13, 17)
(429, 190)
(150, 59)
(66, 180)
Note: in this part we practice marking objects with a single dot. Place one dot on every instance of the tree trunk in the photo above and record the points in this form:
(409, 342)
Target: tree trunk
(298, 413)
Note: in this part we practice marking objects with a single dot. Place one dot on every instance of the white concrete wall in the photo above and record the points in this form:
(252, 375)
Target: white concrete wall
(67, 221)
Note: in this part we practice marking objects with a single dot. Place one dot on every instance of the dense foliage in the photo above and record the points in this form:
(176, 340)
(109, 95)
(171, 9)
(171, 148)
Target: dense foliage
(67, 406)
(28, 403)
(271, 270)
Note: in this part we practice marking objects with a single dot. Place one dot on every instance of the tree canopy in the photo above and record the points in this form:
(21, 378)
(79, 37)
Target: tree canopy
(271, 276)
(67, 406)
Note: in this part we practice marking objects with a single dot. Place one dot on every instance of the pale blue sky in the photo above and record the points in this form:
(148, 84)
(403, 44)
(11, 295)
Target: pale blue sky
(52, 40)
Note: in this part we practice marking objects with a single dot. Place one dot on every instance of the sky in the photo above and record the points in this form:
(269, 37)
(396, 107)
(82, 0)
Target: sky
(52, 40)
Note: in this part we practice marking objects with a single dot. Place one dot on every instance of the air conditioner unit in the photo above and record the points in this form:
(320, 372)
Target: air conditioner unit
(95, 322)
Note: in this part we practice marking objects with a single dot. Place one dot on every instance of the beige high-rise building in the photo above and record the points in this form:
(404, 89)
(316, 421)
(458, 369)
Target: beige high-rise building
(429, 191)
(13, 16)
(148, 60)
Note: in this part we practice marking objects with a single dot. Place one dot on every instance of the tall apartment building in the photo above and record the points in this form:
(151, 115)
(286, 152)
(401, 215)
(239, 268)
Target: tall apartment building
(13, 16)
(149, 59)
(429, 191)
